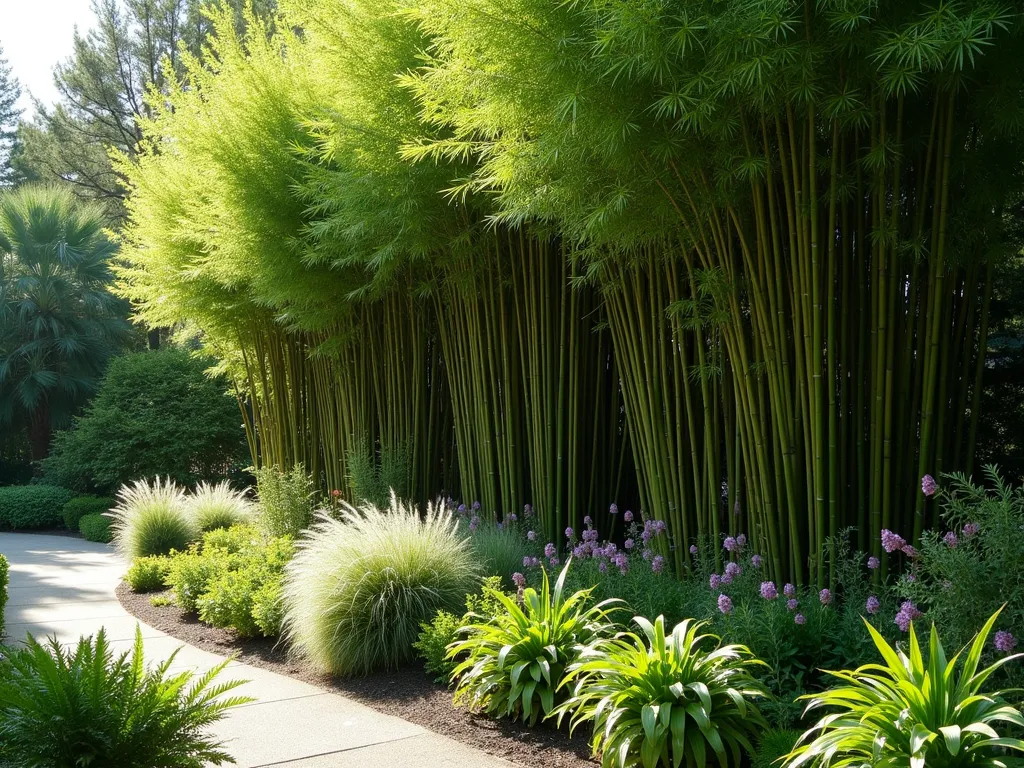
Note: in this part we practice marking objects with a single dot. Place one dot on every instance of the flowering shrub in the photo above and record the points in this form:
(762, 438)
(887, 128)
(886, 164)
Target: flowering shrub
(657, 700)
(909, 712)
(516, 660)
(965, 571)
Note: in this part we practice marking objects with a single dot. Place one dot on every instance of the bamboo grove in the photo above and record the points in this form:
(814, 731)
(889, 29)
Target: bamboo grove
(732, 262)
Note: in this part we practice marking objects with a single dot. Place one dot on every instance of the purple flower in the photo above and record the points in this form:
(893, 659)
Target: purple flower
(727, 578)
(730, 544)
(588, 521)
(716, 581)
(971, 529)
(873, 606)
(768, 590)
(530, 562)
(951, 540)
(622, 563)
(658, 564)
(732, 570)
(568, 533)
(647, 554)
(693, 550)
(549, 550)
(800, 619)
(518, 579)
(873, 563)
(1005, 642)
(474, 522)
(531, 535)
(928, 485)
(476, 505)
(725, 604)
(602, 566)
(512, 517)
(825, 596)
(907, 613)
(629, 544)
(792, 603)
(613, 509)
(527, 510)
(462, 509)
(892, 542)
(756, 561)
(909, 551)
(628, 516)
(742, 540)
(553, 562)
(789, 590)
(579, 551)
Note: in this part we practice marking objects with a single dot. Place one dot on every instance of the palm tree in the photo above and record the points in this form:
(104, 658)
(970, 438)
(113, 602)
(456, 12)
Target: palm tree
(58, 322)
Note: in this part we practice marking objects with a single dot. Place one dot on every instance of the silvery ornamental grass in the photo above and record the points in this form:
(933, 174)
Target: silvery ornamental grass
(360, 585)
(218, 506)
(151, 519)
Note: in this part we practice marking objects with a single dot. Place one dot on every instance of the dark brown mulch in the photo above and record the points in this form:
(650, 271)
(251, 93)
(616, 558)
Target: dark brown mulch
(408, 693)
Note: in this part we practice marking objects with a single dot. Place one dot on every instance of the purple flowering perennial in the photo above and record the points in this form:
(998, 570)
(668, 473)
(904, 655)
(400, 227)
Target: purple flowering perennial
(715, 581)
(549, 550)
(628, 516)
(874, 563)
(951, 540)
(792, 603)
(768, 590)
(825, 596)
(730, 544)
(800, 619)
(892, 542)
(1005, 642)
(907, 613)
(518, 579)
(789, 590)
(928, 485)
(693, 550)
(725, 604)
(873, 605)
(756, 561)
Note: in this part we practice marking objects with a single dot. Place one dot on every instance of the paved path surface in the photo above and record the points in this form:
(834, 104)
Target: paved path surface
(64, 586)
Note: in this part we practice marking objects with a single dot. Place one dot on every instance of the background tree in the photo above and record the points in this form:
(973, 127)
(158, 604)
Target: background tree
(103, 84)
(58, 323)
(156, 413)
(10, 92)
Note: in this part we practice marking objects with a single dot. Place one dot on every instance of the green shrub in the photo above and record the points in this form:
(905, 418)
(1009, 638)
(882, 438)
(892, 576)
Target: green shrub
(439, 634)
(96, 528)
(32, 506)
(360, 586)
(110, 710)
(516, 661)
(191, 573)
(148, 574)
(233, 539)
(906, 711)
(244, 595)
(151, 519)
(657, 700)
(774, 744)
(285, 506)
(156, 413)
(5, 569)
(218, 506)
(80, 506)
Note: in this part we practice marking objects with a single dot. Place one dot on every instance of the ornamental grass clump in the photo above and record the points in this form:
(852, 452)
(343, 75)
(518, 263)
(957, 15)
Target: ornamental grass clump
(516, 660)
(909, 712)
(218, 506)
(361, 585)
(151, 519)
(660, 700)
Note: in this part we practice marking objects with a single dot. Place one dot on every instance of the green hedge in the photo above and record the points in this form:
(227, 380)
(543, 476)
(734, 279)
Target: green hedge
(32, 506)
(4, 578)
(96, 528)
(80, 506)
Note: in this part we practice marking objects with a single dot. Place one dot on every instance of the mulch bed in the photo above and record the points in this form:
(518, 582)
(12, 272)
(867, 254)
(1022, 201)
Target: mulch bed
(408, 693)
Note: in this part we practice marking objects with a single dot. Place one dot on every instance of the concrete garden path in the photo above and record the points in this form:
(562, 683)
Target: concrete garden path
(64, 586)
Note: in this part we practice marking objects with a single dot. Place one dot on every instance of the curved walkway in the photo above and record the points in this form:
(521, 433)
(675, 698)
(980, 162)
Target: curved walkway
(64, 587)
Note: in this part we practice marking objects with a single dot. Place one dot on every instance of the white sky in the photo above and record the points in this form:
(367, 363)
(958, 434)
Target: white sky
(36, 35)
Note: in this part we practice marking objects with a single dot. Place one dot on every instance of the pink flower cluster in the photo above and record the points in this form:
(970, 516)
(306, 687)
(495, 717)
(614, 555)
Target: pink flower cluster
(892, 542)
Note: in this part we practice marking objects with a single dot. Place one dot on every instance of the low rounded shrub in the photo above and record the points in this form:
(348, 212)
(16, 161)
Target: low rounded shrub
(96, 528)
(111, 709)
(657, 699)
(360, 586)
(285, 505)
(32, 506)
(151, 519)
(80, 506)
(191, 573)
(218, 506)
(148, 574)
